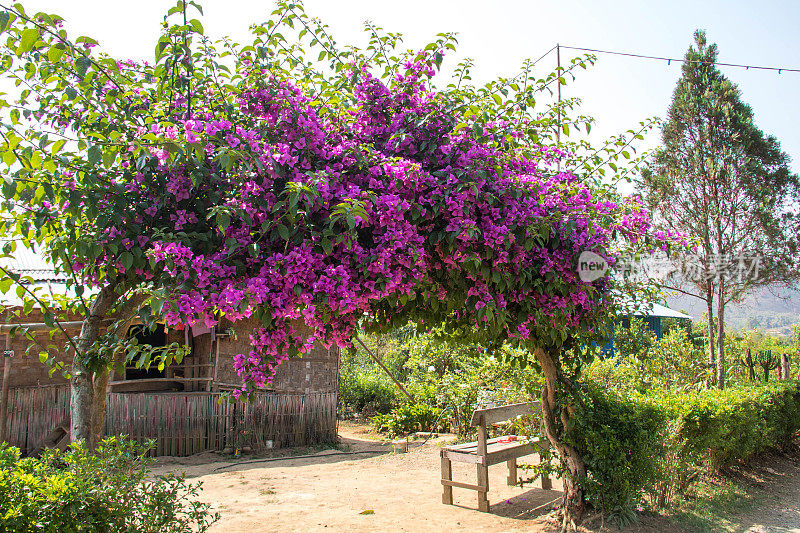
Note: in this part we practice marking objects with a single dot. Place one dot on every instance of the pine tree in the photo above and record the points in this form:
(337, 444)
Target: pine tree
(719, 179)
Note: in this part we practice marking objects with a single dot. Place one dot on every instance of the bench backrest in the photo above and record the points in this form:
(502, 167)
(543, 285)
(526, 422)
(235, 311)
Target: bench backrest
(493, 415)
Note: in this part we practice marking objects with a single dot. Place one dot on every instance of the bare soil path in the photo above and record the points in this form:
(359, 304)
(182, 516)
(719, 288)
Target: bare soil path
(375, 490)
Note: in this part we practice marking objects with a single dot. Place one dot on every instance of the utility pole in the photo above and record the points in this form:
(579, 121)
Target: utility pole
(558, 82)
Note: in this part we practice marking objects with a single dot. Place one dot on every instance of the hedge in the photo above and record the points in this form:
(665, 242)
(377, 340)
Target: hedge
(726, 427)
(654, 444)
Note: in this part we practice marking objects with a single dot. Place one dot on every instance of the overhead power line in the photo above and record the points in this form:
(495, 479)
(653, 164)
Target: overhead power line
(680, 60)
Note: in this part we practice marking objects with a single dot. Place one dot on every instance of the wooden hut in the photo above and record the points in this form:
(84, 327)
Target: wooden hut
(180, 407)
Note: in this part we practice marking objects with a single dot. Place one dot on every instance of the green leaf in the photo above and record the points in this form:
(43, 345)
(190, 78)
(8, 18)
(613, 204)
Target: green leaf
(94, 155)
(27, 40)
(283, 231)
(109, 155)
(57, 146)
(223, 221)
(82, 64)
(327, 246)
(55, 52)
(127, 260)
(5, 18)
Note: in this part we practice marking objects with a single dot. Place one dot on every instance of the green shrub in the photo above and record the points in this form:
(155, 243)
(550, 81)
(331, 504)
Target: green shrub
(111, 490)
(366, 386)
(619, 437)
(407, 419)
(633, 338)
(726, 427)
(670, 363)
(657, 443)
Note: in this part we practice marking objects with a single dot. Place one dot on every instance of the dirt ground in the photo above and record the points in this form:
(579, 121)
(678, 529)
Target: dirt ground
(375, 490)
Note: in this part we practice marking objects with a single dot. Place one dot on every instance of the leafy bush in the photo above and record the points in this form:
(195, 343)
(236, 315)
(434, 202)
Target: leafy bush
(657, 443)
(366, 388)
(673, 362)
(726, 427)
(110, 490)
(633, 338)
(619, 439)
(407, 419)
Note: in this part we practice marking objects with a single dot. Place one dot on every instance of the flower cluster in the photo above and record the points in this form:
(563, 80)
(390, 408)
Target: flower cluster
(380, 213)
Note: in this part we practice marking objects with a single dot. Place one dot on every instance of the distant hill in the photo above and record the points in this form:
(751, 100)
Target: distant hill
(771, 312)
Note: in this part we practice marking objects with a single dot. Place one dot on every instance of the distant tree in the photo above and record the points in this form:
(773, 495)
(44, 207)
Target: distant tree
(634, 338)
(720, 180)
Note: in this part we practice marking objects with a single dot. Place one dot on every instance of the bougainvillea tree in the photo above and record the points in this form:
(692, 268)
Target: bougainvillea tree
(341, 192)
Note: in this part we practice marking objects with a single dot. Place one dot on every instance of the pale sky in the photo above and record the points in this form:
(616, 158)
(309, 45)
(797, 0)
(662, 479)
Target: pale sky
(618, 92)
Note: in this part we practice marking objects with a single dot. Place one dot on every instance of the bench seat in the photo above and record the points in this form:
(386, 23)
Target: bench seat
(497, 450)
(486, 452)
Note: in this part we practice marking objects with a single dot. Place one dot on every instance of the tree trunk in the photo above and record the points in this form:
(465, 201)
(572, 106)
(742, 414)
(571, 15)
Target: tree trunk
(100, 390)
(712, 349)
(573, 501)
(721, 336)
(82, 383)
(102, 376)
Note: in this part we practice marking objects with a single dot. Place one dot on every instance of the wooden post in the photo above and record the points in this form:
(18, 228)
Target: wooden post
(399, 385)
(4, 393)
(214, 386)
(447, 475)
(544, 444)
(211, 356)
(483, 469)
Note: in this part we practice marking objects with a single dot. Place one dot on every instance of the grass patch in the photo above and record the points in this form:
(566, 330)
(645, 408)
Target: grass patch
(715, 504)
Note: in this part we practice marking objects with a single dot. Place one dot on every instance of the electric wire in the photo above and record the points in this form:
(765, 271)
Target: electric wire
(669, 60)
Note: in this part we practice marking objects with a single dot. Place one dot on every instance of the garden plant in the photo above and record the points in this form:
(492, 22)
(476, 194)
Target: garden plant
(292, 180)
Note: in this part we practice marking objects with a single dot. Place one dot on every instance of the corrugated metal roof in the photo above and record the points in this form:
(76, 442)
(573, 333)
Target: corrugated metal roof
(658, 310)
(636, 307)
(31, 263)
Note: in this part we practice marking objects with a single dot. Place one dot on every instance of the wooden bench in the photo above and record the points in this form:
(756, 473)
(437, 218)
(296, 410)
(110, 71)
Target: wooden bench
(486, 452)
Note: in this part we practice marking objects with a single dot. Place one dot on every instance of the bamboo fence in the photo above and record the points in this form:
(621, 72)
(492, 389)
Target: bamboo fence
(183, 423)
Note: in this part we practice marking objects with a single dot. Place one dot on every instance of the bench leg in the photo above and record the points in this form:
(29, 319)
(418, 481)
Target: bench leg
(447, 475)
(512, 471)
(483, 491)
(546, 483)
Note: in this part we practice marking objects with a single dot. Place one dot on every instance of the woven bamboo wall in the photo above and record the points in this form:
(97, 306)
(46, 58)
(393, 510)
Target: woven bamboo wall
(26, 369)
(315, 372)
(183, 423)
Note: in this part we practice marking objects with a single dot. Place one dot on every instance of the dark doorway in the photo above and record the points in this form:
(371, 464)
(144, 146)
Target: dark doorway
(156, 337)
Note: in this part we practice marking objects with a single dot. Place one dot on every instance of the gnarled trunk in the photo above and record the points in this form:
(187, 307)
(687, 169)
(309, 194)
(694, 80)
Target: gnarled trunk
(102, 376)
(82, 383)
(573, 503)
(100, 386)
